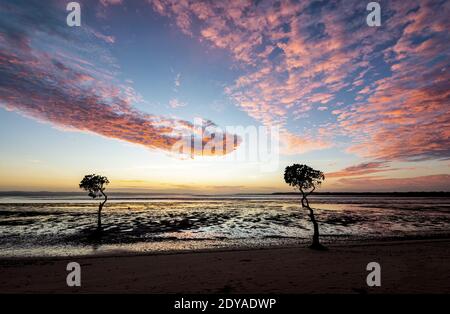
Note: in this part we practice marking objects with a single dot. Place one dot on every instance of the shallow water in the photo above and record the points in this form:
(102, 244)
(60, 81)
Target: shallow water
(63, 226)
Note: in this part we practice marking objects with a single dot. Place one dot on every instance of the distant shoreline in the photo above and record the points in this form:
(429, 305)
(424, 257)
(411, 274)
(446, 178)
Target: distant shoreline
(130, 194)
(399, 194)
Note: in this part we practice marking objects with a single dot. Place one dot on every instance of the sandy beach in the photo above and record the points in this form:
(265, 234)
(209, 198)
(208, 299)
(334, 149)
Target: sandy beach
(421, 266)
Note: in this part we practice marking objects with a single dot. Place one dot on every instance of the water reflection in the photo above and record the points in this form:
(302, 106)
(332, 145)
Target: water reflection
(53, 228)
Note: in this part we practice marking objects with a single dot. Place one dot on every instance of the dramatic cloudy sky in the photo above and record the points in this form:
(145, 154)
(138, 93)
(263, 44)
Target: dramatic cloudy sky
(125, 92)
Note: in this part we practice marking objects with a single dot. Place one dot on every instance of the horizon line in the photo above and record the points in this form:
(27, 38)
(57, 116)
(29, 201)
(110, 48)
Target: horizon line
(18, 192)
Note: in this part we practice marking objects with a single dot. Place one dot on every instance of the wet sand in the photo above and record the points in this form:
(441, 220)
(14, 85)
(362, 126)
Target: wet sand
(421, 266)
(64, 227)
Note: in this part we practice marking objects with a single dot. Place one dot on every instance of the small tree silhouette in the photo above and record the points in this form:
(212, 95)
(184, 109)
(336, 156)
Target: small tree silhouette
(306, 179)
(95, 185)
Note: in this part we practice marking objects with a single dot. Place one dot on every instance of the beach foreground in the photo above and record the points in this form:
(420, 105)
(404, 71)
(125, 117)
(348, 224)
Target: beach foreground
(406, 267)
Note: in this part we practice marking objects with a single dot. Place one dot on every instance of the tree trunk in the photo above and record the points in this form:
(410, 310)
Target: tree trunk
(305, 204)
(316, 242)
(99, 217)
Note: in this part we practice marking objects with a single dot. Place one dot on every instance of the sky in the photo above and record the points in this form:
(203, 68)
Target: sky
(184, 96)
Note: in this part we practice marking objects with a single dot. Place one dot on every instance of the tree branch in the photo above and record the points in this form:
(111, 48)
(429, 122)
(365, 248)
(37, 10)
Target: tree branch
(310, 192)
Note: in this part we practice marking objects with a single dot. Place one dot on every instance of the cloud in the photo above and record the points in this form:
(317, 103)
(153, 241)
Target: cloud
(178, 80)
(360, 169)
(106, 38)
(299, 55)
(385, 89)
(74, 93)
(293, 144)
(175, 103)
(422, 183)
(239, 27)
(110, 2)
(406, 115)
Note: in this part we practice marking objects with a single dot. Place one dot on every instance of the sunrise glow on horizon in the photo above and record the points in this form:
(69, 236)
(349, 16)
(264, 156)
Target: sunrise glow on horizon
(368, 106)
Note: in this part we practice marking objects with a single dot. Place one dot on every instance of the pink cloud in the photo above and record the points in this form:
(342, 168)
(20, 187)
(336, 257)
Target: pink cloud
(360, 169)
(175, 103)
(293, 144)
(110, 2)
(290, 69)
(71, 93)
(406, 116)
(105, 38)
(421, 183)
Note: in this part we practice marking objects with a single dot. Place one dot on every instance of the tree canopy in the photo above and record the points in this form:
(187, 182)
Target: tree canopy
(94, 184)
(303, 177)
